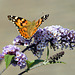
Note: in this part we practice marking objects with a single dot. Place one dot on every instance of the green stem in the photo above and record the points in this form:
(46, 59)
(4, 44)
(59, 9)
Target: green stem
(2, 70)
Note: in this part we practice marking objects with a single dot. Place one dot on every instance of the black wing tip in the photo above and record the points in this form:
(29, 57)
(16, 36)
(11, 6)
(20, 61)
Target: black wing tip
(44, 17)
(9, 17)
(47, 15)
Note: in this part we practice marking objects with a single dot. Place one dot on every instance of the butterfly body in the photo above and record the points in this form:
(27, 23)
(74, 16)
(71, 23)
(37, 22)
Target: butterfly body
(27, 28)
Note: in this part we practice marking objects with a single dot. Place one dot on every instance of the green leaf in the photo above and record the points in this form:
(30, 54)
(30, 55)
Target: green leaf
(29, 63)
(32, 63)
(47, 62)
(8, 59)
(47, 52)
(37, 61)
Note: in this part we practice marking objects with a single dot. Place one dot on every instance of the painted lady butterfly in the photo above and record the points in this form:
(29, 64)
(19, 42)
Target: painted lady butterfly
(27, 28)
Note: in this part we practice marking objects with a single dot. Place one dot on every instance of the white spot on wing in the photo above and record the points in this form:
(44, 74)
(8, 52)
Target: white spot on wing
(13, 19)
(11, 15)
(16, 17)
(12, 22)
(44, 16)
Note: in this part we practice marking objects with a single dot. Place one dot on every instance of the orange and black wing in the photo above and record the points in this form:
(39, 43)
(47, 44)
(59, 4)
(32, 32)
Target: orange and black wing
(25, 27)
(42, 19)
(22, 25)
(38, 23)
(18, 21)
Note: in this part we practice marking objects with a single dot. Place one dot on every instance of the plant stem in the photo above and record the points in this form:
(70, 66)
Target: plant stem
(31, 68)
(2, 70)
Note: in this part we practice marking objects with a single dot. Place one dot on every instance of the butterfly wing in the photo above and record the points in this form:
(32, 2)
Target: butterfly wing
(18, 21)
(35, 25)
(22, 25)
(42, 19)
(26, 28)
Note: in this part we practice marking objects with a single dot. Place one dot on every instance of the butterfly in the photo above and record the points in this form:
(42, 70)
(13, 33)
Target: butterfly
(25, 27)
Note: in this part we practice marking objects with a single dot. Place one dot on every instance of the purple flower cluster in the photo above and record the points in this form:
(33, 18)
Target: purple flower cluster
(20, 58)
(40, 41)
(10, 49)
(19, 40)
(1, 56)
(67, 38)
(57, 36)
(64, 37)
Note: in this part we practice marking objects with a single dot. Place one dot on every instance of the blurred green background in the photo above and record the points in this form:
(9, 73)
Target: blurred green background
(62, 12)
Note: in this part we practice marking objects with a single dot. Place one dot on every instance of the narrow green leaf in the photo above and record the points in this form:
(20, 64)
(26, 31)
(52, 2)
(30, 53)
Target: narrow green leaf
(32, 63)
(47, 52)
(29, 63)
(8, 59)
(37, 61)
(47, 62)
